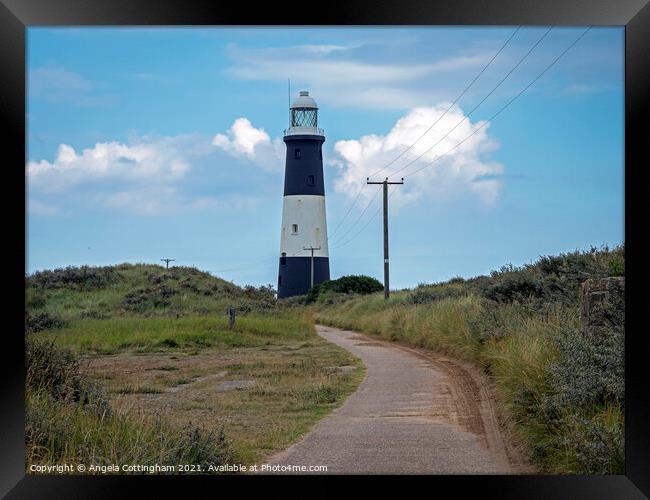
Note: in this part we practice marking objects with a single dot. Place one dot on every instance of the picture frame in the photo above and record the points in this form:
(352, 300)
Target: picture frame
(18, 15)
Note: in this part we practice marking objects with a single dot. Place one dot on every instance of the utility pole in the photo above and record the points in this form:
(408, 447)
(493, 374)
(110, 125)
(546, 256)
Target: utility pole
(385, 183)
(311, 282)
(167, 261)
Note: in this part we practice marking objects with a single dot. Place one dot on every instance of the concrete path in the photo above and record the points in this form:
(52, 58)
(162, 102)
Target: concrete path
(413, 414)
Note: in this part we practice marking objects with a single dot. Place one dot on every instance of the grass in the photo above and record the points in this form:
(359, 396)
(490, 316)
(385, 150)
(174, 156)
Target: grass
(70, 421)
(142, 334)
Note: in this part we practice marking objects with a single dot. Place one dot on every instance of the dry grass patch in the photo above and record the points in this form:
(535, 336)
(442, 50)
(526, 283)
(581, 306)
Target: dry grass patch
(264, 397)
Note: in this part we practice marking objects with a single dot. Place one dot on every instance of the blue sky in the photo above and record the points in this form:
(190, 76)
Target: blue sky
(146, 143)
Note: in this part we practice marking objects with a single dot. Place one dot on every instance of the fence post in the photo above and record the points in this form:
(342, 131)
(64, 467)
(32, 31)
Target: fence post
(231, 317)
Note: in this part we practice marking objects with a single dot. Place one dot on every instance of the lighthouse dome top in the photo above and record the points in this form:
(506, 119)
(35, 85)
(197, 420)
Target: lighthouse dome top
(304, 101)
(304, 116)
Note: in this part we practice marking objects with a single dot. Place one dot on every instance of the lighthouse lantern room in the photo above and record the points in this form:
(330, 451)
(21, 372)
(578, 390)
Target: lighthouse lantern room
(304, 256)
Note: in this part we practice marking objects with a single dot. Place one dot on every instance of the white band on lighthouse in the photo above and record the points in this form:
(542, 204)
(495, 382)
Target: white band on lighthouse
(304, 225)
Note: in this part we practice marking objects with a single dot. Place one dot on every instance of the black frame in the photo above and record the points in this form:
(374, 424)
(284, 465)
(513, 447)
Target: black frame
(16, 15)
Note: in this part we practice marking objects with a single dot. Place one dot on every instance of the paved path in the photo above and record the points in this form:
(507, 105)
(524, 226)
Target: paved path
(413, 414)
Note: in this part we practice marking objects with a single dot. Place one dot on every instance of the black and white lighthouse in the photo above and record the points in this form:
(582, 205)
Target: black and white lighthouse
(304, 256)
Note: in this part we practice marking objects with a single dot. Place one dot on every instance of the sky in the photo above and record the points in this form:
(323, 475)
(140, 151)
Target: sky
(149, 143)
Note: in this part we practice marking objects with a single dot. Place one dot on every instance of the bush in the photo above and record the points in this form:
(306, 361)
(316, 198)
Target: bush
(347, 284)
(292, 302)
(514, 286)
(41, 321)
(591, 371)
(616, 267)
(78, 278)
(552, 279)
(143, 299)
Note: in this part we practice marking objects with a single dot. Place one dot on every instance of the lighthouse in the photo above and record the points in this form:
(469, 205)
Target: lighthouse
(304, 256)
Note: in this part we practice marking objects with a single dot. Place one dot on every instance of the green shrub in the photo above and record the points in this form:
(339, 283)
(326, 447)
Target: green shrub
(514, 286)
(143, 299)
(78, 278)
(616, 267)
(346, 284)
(42, 321)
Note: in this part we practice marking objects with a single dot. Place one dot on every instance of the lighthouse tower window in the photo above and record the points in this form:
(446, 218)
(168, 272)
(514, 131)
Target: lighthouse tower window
(294, 228)
(310, 180)
(296, 153)
(283, 260)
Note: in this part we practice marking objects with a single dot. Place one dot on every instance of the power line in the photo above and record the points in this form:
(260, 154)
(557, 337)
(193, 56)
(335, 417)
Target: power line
(344, 243)
(507, 104)
(356, 198)
(360, 215)
(472, 111)
(364, 226)
(479, 104)
(451, 105)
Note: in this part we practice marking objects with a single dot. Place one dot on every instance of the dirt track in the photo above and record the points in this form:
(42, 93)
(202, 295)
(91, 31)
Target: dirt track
(415, 413)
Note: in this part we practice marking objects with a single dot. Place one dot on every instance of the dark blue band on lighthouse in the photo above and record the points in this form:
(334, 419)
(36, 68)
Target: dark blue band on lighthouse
(303, 172)
(294, 276)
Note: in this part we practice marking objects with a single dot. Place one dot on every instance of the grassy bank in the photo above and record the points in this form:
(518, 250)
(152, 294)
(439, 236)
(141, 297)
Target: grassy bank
(156, 376)
(563, 393)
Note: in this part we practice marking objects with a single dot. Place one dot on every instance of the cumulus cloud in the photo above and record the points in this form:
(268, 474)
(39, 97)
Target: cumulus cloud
(453, 173)
(149, 175)
(243, 140)
(141, 176)
(156, 161)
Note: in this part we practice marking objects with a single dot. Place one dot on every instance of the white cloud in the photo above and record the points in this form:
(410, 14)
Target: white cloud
(158, 161)
(455, 172)
(149, 176)
(141, 176)
(243, 140)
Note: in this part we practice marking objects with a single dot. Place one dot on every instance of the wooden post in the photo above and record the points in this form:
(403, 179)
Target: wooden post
(232, 312)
